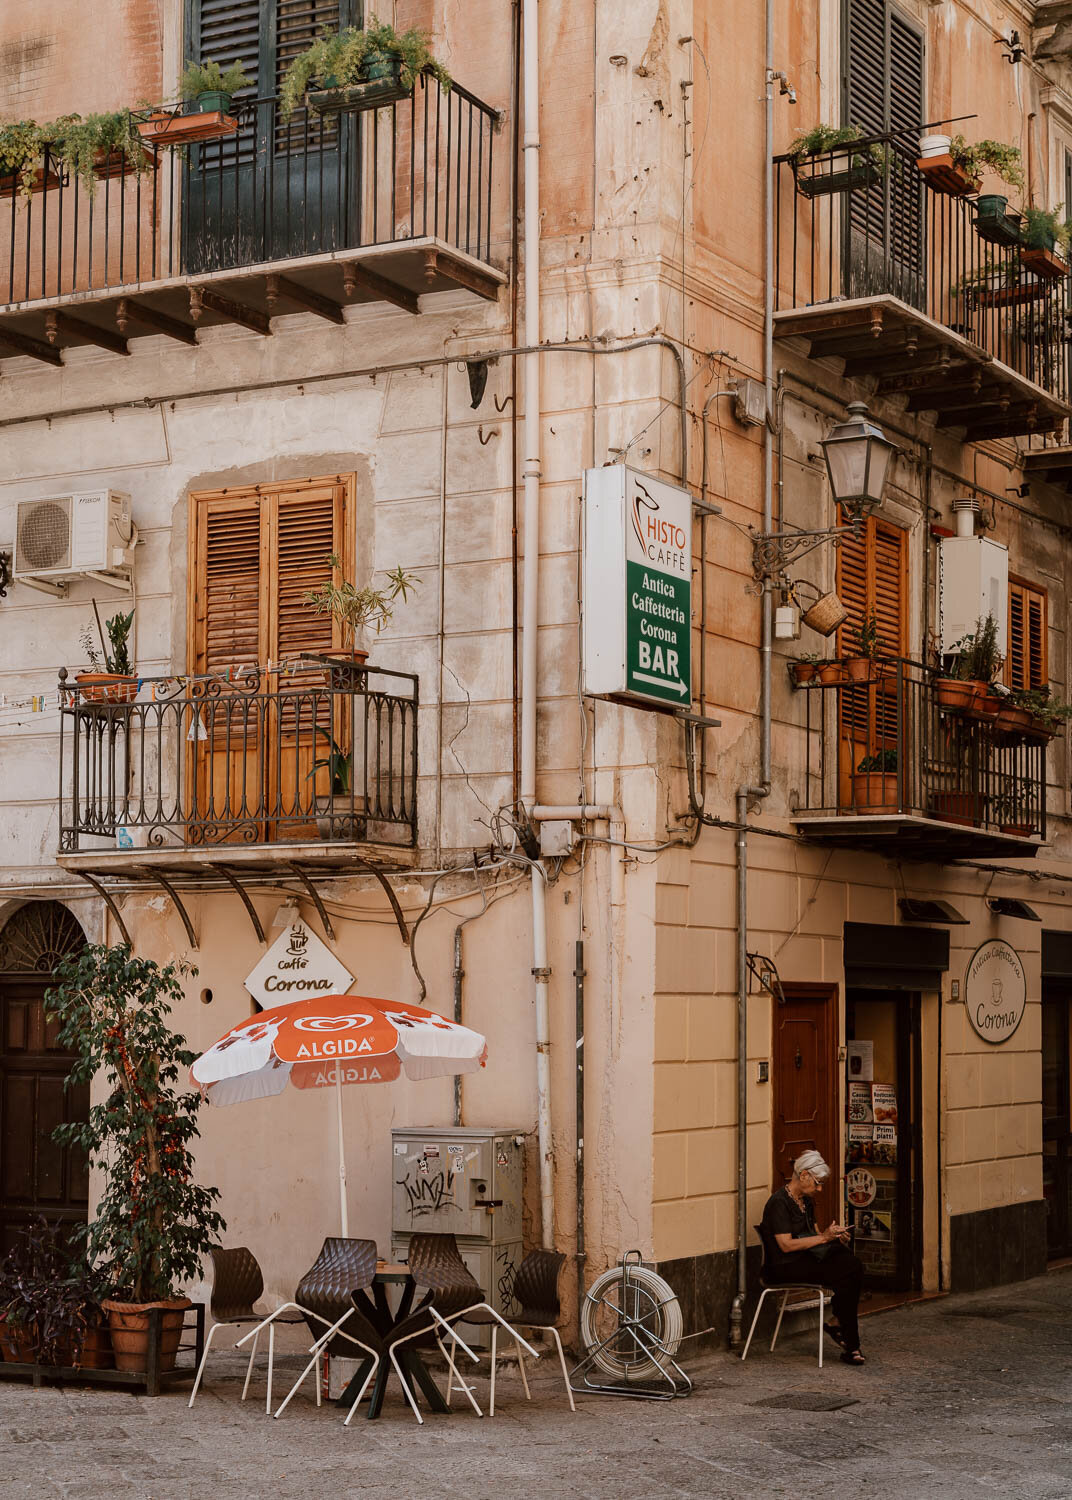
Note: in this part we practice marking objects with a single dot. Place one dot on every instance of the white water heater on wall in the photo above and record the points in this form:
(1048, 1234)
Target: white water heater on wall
(973, 582)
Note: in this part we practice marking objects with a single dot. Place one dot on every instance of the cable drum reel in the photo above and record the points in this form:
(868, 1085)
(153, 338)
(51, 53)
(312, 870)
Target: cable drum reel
(631, 1328)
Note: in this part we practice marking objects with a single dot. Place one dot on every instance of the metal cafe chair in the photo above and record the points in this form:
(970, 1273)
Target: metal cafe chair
(237, 1283)
(324, 1295)
(436, 1262)
(783, 1288)
(536, 1290)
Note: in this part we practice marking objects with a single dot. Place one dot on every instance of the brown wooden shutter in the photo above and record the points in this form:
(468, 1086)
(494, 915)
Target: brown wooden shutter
(1026, 664)
(227, 625)
(872, 575)
(307, 532)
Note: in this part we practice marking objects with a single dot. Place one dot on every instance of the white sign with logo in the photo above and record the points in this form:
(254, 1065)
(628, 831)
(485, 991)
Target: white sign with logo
(860, 1187)
(995, 991)
(637, 590)
(298, 966)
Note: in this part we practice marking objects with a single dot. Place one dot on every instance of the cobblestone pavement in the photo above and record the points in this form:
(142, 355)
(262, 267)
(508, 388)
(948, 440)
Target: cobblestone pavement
(963, 1396)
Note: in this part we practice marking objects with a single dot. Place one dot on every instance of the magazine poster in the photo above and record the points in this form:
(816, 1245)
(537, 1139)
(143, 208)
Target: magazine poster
(860, 1111)
(884, 1104)
(860, 1143)
(872, 1226)
(861, 1062)
(885, 1139)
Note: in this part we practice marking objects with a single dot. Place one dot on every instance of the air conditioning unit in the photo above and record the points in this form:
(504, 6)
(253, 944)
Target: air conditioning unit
(64, 537)
(973, 582)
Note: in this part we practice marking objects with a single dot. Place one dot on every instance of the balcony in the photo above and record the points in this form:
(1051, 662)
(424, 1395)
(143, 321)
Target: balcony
(894, 278)
(202, 781)
(307, 215)
(890, 768)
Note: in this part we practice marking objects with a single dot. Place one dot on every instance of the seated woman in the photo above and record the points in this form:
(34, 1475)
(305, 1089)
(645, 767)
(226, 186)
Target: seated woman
(797, 1251)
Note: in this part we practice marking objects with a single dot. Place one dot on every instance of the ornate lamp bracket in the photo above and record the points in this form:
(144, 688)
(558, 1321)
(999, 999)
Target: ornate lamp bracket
(773, 551)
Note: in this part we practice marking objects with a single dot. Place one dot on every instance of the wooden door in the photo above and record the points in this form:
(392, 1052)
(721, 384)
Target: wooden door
(255, 554)
(36, 1175)
(803, 1075)
(1057, 1114)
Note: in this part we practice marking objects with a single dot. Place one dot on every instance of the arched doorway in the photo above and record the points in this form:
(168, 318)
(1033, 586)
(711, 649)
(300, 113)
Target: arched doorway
(36, 1175)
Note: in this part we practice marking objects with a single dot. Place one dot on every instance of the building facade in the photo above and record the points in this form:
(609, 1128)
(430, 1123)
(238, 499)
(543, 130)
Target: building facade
(315, 337)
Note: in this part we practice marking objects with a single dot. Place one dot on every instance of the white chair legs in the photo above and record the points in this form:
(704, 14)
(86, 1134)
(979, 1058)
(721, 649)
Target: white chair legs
(315, 1350)
(255, 1335)
(204, 1357)
(783, 1293)
(539, 1328)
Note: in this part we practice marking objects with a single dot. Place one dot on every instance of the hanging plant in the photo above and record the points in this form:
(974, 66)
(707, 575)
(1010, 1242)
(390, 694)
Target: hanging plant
(22, 145)
(210, 85)
(340, 58)
(995, 155)
(85, 146)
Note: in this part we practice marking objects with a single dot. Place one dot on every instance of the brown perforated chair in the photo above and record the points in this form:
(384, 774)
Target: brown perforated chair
(535, 1290)
(324, 1296)
(436, 1263)
(237, 1283)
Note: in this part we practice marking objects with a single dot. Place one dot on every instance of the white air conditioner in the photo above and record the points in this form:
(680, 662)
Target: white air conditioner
(973, 582)
(63, 537)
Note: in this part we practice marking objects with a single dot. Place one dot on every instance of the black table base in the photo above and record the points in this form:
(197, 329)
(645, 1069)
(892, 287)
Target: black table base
(413, 1367)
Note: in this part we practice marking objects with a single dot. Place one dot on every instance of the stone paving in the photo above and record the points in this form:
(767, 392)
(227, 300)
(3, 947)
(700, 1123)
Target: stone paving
(961, 1397)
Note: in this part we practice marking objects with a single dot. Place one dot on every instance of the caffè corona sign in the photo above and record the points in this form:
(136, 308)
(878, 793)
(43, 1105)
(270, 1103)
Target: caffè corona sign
(995, 991)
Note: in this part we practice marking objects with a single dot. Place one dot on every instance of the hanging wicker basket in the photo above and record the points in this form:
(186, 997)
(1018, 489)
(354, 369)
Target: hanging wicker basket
(826, 614)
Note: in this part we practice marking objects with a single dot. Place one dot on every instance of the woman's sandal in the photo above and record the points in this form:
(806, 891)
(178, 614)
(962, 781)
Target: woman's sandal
(853, 1357)
(836, 1334)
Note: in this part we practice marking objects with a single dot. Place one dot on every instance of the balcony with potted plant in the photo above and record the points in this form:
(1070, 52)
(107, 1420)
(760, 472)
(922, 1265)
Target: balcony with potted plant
(200, 200)
(894, 764)
(934, 295)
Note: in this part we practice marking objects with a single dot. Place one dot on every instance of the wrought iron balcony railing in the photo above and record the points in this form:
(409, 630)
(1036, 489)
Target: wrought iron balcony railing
(888, 745)
(329, 753)
(847, 227)
(419, 168)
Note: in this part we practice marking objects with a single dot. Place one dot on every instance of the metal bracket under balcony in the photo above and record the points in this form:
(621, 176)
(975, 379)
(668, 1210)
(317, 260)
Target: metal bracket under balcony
(940, 371)
(1052, 465)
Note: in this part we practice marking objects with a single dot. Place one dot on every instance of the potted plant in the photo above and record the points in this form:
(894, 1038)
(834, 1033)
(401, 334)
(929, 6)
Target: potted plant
(1045, 713)
(335, 808)
(835, 166)
(831, 673)
(358, 610)
(1000, 283)
(993, 221)
(206, 87)
(875, 783)
(25, 168)
(359, 69)
(1010, 812)
(110, 678)
(98, 146)
(1043, 232)
(805, 667)
(974, 663)
(152, 1223)
(51, 1303)
(859, 668)
(953, 171)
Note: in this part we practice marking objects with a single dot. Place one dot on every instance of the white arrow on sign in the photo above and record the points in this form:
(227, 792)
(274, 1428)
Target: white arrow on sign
(676, 685)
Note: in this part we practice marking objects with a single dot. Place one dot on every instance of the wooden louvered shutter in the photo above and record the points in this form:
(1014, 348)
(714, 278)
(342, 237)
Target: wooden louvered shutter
(308, 527)
(1026, 665)
(228, 31)
(297, 24)
(228, 629)
(871, 578)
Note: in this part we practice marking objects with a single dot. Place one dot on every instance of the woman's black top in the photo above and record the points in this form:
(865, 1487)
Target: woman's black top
(783, 1215)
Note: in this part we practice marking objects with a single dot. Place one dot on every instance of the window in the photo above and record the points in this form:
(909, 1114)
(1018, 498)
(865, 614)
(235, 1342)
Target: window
(1026, 665)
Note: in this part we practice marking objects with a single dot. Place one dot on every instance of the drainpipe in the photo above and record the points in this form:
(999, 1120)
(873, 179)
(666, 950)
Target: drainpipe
(746, 794)
(530, 469)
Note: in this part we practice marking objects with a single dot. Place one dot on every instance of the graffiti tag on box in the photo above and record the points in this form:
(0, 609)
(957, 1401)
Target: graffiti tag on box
(428, 1192)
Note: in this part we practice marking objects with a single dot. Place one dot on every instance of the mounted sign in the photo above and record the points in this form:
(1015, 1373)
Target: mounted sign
(297, 966)
(637, 587)
(995, 991)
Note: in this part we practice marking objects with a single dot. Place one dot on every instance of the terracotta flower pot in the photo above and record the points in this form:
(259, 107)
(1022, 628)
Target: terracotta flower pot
(950, 692)
(955, 807)
(96, 1352)
(106, 687)
(831, 671)
(857, 668)
(16, 1344)
(874, 791)
(1021, 830)
(803, 671)
(1010, 720)
(129, 1325)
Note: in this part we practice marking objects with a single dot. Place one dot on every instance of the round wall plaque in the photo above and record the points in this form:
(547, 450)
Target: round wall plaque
(860, 1187)
(995, 991)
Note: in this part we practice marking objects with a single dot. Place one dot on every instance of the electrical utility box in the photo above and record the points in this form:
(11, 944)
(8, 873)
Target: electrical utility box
(973, 582)
(467, 1182)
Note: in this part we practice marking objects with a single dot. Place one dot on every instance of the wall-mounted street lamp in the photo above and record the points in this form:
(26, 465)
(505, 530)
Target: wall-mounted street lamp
(858, 456)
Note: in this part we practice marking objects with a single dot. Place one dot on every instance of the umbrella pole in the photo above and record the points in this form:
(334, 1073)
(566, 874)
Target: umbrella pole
(342, 1155)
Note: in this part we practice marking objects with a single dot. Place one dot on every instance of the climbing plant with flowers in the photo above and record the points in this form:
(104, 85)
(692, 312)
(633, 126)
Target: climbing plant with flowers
(153, 1222)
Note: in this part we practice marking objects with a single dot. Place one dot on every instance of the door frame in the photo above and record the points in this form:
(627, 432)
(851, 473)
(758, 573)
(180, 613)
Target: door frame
(829, 992)
(1057, 993)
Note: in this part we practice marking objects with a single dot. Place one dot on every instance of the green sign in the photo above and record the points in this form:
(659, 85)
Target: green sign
(658, 633)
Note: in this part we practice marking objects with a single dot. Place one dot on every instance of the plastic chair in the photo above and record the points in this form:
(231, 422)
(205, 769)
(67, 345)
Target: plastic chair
(436, 1262)
(783, 1287)
(237, 1283)
(324, 1296)
(536, 1290)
